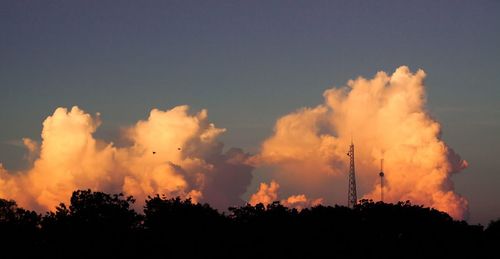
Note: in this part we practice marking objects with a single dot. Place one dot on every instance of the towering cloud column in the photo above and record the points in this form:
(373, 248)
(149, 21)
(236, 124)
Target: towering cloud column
(386, 117)
(171, 153)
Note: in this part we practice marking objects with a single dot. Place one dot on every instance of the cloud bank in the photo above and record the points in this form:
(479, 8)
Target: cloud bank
(386, 118)
(177, 153)
(172, 153)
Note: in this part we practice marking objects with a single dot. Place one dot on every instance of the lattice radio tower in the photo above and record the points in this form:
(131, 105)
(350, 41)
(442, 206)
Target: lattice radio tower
(381, 174)
(352, 198)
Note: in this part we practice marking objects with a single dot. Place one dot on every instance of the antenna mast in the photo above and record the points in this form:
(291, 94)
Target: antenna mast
(352, 198)
(381, 174)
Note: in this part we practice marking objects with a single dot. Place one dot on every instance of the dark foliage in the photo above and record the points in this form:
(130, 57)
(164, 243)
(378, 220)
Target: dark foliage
(18, 228)
(181, 228)
(492, 234)
(97, 224)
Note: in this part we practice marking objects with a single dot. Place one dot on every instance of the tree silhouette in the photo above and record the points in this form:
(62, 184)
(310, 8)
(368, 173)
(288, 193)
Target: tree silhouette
(97, 224)
(492, 236)
(163, 213)
(19, 219)
(493, 230)
(93, 224)
(18, 228)
(185, 227)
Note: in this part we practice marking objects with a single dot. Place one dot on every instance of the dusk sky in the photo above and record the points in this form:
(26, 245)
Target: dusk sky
(250, 63)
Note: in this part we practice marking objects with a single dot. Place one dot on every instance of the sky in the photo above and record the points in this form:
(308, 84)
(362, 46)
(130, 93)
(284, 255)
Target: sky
(250, 63)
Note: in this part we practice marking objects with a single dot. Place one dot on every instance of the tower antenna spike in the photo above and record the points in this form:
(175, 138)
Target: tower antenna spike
(381, 174)
(351, 196)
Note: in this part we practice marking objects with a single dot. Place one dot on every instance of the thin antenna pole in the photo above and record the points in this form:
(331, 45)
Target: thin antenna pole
(381, 174)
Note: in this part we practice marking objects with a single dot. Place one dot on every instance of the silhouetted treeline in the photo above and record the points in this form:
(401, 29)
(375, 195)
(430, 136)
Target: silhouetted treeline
(97, 224)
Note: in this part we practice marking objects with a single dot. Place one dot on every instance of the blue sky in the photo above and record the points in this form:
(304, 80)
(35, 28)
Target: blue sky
(250, 62)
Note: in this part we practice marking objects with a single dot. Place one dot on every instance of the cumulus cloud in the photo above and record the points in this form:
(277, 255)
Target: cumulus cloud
(172, 153)
(386, 117)
(32, 147)
(177, 153)
(301, 201)
(268, 193)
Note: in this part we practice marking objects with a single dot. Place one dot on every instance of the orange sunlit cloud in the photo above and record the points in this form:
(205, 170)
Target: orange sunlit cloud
(178, 154)
(268, 193)
(172, 153)
(386, 117)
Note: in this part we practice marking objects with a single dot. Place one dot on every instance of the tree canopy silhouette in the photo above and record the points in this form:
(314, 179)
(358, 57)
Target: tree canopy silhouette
(18, 227)
(97, 224)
